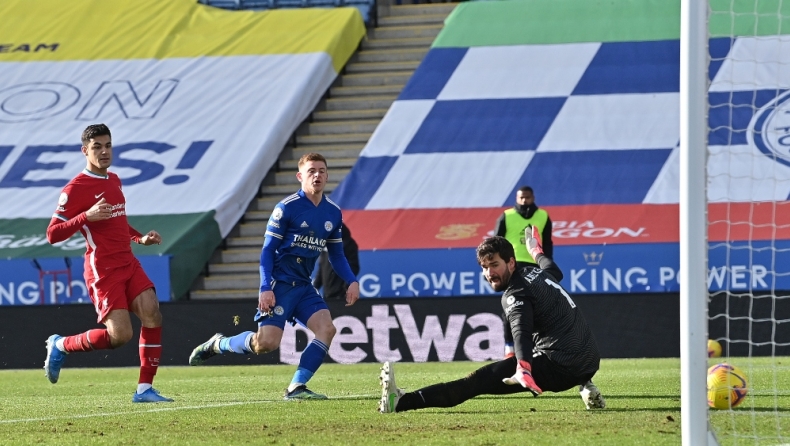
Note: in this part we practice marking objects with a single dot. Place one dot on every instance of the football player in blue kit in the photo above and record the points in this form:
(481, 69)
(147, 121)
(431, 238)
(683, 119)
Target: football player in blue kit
(299, 228)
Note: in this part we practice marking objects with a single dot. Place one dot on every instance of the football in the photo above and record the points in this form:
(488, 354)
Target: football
(714, 348)
(727, 386)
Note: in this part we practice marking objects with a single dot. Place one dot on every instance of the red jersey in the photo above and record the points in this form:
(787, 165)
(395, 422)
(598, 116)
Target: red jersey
(107, 241)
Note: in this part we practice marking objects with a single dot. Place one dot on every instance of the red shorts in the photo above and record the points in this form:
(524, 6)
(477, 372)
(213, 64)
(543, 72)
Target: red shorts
(116, 288)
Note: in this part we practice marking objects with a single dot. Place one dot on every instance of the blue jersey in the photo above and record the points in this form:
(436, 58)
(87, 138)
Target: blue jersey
(299, 231)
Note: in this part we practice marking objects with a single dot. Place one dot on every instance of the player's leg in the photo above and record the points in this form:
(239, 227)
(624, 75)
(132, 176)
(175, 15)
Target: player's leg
(311, 308)
(144, 304)
(107, 300)
(556, 378)
(485, 380)
(266, 339)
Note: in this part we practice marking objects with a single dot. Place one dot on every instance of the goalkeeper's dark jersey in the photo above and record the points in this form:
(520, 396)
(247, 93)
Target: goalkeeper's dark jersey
(544, 320)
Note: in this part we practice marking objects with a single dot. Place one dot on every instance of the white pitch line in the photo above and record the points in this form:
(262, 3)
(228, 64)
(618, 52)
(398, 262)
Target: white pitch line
(167, 409)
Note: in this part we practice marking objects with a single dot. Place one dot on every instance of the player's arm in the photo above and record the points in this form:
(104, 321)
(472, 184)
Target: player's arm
(151, 238)
(273, 238)
(337, 258)
(548, 244)
(61, 228)
(500, 229)
(521, 322)
(134, 234)
(68, 219)
(535, 249)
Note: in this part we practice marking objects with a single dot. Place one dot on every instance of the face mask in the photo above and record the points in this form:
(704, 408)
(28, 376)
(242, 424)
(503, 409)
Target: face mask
(526, 210)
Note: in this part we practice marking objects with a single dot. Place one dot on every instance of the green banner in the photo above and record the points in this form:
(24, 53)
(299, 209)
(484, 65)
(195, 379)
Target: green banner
(526, 22)
(189, 238)
(537, 22)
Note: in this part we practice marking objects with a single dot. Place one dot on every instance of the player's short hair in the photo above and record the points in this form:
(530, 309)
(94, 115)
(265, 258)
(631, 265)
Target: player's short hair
(94, 130)
(311, 157)
(495, 245)
(523, 189)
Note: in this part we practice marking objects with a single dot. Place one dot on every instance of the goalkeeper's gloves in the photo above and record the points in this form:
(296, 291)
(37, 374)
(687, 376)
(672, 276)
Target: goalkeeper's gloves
(523, 377)
(534, 246)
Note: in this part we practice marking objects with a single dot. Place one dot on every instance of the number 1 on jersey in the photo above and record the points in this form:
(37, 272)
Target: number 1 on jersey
(562, 290)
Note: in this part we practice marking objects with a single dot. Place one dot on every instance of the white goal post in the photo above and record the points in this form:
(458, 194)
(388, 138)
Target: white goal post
(734, 197)
(693, 220)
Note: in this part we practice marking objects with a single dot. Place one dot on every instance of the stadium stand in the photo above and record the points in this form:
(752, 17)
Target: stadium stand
(338, 128)
(181, 85)
(368, 8)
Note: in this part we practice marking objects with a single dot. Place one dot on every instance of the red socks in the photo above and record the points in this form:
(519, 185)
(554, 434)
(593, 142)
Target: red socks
(150, 352)
(97, 339)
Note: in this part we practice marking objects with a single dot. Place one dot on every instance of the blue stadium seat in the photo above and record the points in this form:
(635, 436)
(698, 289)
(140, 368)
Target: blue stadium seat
(257, 4)
(224, 4)
(290, 3)
(323, 3)
(366, 7)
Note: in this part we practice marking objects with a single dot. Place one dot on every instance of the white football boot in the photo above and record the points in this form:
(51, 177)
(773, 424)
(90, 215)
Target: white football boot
(591, 396)
(390, 393)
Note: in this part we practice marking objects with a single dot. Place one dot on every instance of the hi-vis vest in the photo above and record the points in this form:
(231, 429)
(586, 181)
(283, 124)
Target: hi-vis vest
(515, 225)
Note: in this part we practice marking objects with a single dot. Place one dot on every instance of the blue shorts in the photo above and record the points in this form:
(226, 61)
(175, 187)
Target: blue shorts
(294, 304)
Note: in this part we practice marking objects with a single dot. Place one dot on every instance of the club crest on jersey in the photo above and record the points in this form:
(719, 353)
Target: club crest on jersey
(63, 199)
(510, 300)
(769, 129)
(277, 214)
(278, 310)
(328, 225)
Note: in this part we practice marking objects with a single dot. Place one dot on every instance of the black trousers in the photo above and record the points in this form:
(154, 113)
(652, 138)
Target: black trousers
(487, 380)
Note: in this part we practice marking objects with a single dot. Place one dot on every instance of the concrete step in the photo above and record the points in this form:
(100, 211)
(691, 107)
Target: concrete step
(398, 43)
(406, 32)
(420, 9)
(251, 216)
(234, 268)
(392, 55)
(359, 92)
(375, 79)
(330, 152)
(266, 203)
(360, 103)
(241, 255)
(341, 127)
(320, 140)
(252, 229)
(413, 19)
(232, 282)
(341, 115)
(248, 242)
(283, 190)
(381, 67)
(250, 294)
(334, 164)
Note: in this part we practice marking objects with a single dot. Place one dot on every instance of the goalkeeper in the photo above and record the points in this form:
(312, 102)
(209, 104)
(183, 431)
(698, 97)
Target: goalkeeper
(555, 349)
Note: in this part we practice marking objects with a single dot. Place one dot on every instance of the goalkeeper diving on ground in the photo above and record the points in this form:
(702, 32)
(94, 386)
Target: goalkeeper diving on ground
(555, 348)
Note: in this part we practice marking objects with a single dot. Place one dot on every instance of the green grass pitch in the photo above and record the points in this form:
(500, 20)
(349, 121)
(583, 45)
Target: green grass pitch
(243, 405)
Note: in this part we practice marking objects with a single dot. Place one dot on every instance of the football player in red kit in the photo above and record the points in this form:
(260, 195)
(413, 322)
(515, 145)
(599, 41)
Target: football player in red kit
(93, 203)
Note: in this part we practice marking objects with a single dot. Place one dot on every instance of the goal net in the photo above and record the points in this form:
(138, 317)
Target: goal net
(748, 212)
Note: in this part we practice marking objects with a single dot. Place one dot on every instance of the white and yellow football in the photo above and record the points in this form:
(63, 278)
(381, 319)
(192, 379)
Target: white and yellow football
(727, 386)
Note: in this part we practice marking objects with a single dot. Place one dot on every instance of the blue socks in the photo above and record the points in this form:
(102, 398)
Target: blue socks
(311, 360)
(239, 344)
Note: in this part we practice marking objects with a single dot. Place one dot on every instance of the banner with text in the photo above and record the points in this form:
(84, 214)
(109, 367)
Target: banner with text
(580, 101)
(179, 84)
